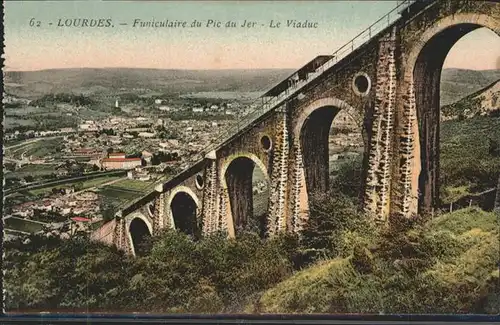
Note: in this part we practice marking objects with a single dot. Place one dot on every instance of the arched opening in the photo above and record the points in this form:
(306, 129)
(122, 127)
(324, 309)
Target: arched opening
(248, 190)
(332, 145)
(453, 136)
(184, 213)
(140, 234)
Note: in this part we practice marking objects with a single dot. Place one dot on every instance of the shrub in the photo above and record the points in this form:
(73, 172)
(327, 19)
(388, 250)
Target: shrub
(327, 219)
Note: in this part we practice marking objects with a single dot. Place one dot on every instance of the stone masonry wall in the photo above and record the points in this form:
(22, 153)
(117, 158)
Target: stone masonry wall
(299, 197)
(409, 154)
(279, 177)
(210, 215)
(378, 177)
(121, 236)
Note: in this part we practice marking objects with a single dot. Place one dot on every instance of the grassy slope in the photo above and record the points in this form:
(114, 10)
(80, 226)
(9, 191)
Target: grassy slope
(465, 258)
(455, 83)
(464, 145)
(474, 103)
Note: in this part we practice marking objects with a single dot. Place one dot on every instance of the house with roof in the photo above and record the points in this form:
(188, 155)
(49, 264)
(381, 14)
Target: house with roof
(118, 160)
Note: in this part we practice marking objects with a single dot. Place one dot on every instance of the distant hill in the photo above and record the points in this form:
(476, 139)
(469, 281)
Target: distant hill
(456, 83)
(33, 84)
(480, 102)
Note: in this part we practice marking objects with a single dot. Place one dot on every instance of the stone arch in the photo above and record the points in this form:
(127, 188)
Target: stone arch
(474, 20)
(311, 133)
(317, 104)
(240, 179)
(138, 226)
(419, 146)
(248, 155)
(188, 193)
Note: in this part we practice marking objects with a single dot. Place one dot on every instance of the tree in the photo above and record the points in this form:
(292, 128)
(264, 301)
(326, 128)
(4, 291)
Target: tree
(107, 211)
(494, 148)
(497, 198)
(56, 190)
(108, 131)
(348, 177)
(135, 155)
(155, 160)
(170, 170)
(10, 166)
(78, 186)
(76, 169)
(330, 214)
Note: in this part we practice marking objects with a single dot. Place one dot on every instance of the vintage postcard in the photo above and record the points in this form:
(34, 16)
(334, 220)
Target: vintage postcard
(251, 157)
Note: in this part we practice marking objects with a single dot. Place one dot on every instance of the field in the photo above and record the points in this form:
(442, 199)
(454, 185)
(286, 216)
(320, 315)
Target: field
(41, 148)
(13, 142)
(133, 185)
(20, 147)
(81, 185)
(41, 120)
(24, 225)
(34, 170)
(48, 147)
(11, 122)
(124, 191)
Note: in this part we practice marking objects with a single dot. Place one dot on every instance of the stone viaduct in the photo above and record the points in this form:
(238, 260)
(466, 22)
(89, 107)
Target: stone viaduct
(392, 79)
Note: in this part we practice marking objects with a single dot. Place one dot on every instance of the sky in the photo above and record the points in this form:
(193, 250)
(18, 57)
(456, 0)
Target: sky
(206, 47)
